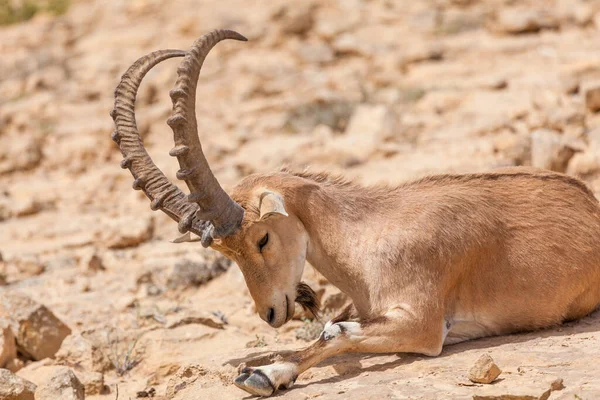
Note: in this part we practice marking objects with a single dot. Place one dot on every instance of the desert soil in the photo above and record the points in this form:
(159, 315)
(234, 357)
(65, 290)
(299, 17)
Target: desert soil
(380, 91)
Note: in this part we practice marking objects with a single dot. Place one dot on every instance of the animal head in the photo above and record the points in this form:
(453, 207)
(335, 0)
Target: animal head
(254, 226)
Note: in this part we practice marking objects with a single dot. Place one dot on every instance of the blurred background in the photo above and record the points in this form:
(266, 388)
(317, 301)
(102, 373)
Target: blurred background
(376, 90)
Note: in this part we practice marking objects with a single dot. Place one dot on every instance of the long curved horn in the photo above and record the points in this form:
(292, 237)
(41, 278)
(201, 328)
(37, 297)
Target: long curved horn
(164, 195)
(215, 204)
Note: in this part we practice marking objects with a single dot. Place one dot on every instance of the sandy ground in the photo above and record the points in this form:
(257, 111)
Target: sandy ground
(380, 91)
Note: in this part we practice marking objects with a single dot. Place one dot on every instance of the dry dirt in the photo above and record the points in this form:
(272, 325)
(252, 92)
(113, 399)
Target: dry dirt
(377, 90)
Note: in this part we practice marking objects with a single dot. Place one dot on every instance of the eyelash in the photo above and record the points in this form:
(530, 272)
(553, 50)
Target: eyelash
(263, 242)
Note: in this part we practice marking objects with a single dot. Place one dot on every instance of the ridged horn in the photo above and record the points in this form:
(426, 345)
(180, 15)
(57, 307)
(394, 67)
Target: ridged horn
(215, 205)
(147, 177)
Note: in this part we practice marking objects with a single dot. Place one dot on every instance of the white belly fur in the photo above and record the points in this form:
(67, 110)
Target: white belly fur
(464, 326)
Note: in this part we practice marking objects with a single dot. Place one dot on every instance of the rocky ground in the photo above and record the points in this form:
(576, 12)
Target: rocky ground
(94, 297)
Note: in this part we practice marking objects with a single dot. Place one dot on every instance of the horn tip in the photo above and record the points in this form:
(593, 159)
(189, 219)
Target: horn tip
(236, 35)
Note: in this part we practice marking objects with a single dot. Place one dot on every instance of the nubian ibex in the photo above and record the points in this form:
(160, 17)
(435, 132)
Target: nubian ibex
(431, 262)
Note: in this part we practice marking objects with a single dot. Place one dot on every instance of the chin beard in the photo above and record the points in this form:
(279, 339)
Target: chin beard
(307, 298)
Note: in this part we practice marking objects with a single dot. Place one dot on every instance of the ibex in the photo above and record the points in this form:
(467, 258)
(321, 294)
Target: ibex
(436, 261)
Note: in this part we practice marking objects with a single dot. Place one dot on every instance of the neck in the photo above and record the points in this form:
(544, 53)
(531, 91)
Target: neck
(333, 216)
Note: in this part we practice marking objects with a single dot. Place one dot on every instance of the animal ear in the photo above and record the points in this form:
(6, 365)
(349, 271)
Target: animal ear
(271, 203)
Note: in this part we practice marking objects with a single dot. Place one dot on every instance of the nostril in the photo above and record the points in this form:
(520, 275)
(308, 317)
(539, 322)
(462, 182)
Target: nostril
(270, 315)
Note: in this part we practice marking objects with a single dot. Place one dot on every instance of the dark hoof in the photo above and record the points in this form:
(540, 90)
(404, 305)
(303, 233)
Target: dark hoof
(255, 382)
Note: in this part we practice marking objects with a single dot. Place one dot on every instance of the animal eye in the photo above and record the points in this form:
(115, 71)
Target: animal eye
(263, 242)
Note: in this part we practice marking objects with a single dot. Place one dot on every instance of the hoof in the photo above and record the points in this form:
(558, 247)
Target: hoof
(255, 382)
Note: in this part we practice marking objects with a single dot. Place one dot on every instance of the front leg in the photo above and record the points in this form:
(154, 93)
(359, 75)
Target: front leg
(398, 330)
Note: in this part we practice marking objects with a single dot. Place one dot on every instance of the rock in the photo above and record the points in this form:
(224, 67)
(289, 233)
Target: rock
(544, 396)
(557, 385)
(369, 126)
(514, 148)
(93, 382)
(335, 301)
(591, 94)
(62, 384)
(596, 20)
(349, 44)
(297, 19)
(550, 151)
(93, 262)
(15, 365)
(204, 319)
(146, 393)
(583, 14)
(329, 26)
(3, 277)
(60, 263)
(47, 78)
(78, 350)
(13, 387)
(196, 272)
(128, 232)
(367, 120)
(26, 207)
(39, 334)
(315, 52)
(584, 164)
(332, 113)
(8, 345)
(484, 370)
(26, 266)
(561, 118)
(518, 20)
(183, 378)
(19, 153)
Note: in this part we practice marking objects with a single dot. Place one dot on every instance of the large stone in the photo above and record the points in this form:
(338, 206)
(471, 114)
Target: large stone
(61, 384)
(77, 350)
(8, 345)
(484, 370)
(41, 372)
(13, 387)
(39, 334)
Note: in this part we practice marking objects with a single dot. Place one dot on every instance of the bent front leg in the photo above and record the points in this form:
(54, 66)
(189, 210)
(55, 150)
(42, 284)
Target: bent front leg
(396, 331)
